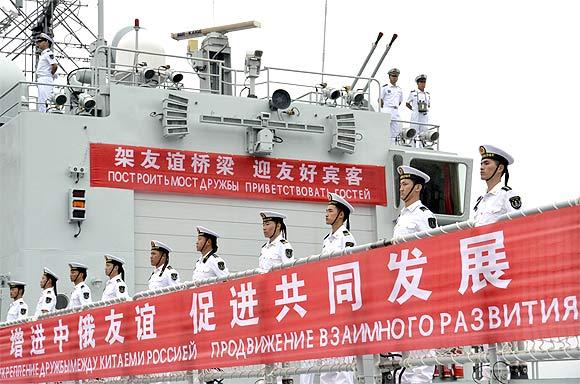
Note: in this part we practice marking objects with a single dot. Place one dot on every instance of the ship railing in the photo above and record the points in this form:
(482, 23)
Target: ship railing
(321, 84)
(126, 74)
(129, 75)
(23, 97)
(310, 87)
(371, 368)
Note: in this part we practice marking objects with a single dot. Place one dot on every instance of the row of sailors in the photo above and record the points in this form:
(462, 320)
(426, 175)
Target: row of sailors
(276, 251)
(415, 217)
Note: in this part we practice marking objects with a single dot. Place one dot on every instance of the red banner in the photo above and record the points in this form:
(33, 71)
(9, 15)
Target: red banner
(508, 281)
(171, 170)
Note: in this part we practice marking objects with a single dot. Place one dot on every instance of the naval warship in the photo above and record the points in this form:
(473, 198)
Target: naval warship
(138, 145)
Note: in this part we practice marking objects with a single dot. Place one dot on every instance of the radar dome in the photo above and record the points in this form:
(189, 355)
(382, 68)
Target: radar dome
(10, 74)
(147, 42)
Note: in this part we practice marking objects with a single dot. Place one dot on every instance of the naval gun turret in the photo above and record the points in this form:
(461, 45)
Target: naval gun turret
(213, 75)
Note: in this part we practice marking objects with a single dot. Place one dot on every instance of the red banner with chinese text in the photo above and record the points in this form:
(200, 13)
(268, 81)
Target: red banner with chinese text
(171, 170)
(508, 281)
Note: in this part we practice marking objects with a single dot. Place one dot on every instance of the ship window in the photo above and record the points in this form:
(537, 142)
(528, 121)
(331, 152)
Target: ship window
(397, 160)
(444, 194)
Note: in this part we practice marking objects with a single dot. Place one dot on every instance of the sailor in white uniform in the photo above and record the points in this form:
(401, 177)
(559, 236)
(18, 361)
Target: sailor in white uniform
(163, 274)
(337, 216)
(209, 263)
(391, 99)
(81, 295)
(497, 200)
(277, 251)
(45, 70)
(47, 301)
(414, 217)
(18, 308)
(115, 287)
(419, 101)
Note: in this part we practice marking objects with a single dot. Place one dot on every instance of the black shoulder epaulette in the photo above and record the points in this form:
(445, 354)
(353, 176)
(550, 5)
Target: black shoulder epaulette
(284, 241)
(506, 188)
(427, 92)
(423, 208)
(345, 232)
(414, 90)
(169, 267)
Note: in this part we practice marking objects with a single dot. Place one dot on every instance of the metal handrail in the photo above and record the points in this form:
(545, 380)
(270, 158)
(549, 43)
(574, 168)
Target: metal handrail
(318, 257)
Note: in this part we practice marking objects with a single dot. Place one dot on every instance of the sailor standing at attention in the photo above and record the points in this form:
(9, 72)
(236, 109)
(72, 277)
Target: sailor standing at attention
(209, 263)
(414, 217)
(419, 101)
(47, 301)
(277, 251)
(337, 216)
(116, 287)
(81, 294)
(18, 308)
(163, 274)
(45, 69)
(391, 99)
(497, 201)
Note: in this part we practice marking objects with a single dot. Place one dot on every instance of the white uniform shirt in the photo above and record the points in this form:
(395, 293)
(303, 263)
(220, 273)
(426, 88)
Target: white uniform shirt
(46, 302)
(18, 310)
(337, 241)
(392, 96)
(168, 278)
(415, 95)
(499, 201)
(45, 62)
(115, 289)
(414, 218)
(80, 296)
(277, 252)
(208, 266)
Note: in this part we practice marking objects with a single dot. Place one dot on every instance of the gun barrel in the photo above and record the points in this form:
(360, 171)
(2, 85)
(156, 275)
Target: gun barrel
(373, 47)
(381, 60)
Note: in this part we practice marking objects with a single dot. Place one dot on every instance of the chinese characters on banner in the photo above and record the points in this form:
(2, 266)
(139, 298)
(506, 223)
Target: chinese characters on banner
(166, 170)
(502, 282)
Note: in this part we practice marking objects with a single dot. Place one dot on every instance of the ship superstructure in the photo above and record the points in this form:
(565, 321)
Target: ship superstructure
(140, 145)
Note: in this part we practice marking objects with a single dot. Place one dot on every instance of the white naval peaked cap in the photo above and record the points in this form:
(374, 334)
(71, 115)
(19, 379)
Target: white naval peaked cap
(492, 152)
(16, 283)
(421, 76)
(394, 71)
(109, 257)
(335, 198)
(47, 271)
(157, 245)
(266, 215)
(44, 36)
(406, 172)
(206, 231)
(74, 265)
